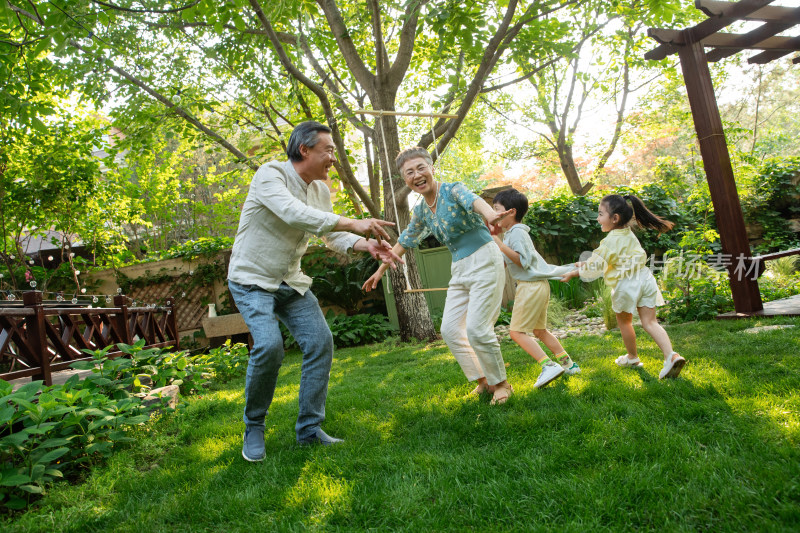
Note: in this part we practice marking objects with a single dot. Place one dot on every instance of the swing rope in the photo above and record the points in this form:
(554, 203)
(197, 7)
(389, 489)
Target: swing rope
(391, 188)
(394, 202)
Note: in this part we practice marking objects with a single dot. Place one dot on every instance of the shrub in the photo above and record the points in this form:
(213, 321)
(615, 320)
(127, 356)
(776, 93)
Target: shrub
(47, 433)
(564, 226)
(349, 330)
(693, 290)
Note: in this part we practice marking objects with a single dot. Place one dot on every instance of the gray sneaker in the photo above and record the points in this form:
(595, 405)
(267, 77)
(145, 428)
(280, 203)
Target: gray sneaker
(549, 373)
(253, 448)
(319, 437)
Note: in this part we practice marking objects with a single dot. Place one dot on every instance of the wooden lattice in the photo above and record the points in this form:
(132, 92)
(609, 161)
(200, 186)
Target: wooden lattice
(190, 306)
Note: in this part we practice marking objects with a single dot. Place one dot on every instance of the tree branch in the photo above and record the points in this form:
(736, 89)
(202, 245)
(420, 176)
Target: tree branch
(319, 91)
(160, 11)
(354, 62)
(405, 49)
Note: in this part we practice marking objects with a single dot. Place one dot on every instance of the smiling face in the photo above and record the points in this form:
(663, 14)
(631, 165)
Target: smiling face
(419, 176)
(318, 160)
(607, 222)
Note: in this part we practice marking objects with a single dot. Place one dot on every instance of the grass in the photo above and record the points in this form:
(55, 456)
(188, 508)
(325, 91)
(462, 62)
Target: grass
(608, 450)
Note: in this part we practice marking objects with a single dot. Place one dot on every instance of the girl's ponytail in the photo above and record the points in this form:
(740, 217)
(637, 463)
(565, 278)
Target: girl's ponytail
(645, 217)
(628, 206)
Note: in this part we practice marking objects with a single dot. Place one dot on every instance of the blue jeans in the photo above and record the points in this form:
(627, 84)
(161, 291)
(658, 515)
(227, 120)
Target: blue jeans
(303, 317)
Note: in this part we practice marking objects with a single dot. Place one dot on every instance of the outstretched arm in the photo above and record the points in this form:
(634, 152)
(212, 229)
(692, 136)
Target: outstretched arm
(373, 280)
(380, 250)
(491, 216)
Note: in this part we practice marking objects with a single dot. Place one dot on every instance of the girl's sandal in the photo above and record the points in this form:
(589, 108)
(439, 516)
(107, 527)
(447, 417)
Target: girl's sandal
(626, 362)
(502, 398)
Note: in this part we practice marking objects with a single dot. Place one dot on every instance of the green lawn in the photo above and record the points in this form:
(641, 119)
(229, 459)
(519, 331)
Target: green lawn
(610, 449)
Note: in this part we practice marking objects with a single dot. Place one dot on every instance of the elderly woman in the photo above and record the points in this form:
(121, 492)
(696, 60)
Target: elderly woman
(459, 218)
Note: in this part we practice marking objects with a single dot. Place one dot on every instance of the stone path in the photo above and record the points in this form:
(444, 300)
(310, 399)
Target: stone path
(576, 324)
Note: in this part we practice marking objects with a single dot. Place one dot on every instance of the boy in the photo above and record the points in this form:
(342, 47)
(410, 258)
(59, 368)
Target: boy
(531, 273)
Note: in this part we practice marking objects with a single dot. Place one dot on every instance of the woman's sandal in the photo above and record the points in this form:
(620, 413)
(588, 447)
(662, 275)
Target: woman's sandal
(627, 362)
(480, 389)
(500, 400)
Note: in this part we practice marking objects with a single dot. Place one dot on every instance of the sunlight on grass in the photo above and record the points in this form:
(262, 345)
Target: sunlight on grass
(318, 496)
(233, 395)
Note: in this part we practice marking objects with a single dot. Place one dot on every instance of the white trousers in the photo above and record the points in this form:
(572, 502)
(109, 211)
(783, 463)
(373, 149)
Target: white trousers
(470, 312)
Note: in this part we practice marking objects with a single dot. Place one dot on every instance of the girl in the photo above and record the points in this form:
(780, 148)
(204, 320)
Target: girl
(456, 217)
(620, 259)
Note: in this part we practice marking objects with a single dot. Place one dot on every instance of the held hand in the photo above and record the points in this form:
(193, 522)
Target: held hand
(382, 251)
(372, 282)
(569, 275)
(491, 222)
(371, 226)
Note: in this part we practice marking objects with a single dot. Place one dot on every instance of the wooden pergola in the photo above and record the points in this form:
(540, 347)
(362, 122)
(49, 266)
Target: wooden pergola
(690, 45)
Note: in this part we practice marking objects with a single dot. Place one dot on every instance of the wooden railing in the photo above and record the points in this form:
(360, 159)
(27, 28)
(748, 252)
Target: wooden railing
(37, 340)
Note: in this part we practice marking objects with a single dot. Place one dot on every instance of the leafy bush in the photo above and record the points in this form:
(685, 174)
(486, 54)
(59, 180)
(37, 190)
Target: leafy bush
(47, 433)
(349, 330)
(503, 319)
(774, 201)
(693, 290)
(564, 226)
(341, 285)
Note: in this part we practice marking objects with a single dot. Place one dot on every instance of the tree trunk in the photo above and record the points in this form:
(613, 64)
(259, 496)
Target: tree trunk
(571, 172)
(413, 315)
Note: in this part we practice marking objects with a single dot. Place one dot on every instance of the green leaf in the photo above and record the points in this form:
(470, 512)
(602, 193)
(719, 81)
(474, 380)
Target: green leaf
(52, 455)
(33, 489)
(14, 480)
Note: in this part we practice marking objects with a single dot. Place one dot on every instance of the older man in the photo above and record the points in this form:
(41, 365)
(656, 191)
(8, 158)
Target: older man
(286, 204)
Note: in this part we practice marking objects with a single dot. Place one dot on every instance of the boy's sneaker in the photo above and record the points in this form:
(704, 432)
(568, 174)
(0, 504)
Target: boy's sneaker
(253, 449)
(549, 373)
(571, 368)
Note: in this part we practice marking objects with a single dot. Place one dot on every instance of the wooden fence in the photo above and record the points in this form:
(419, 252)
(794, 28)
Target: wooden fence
(37, 339)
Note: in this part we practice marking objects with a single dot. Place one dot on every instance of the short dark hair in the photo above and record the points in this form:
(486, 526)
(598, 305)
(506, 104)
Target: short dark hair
(304, 134)
(512, 199)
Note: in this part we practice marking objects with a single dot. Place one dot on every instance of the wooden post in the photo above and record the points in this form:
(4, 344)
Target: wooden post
(121, 319)
(37, 337)
(719, 172)
(172, 325)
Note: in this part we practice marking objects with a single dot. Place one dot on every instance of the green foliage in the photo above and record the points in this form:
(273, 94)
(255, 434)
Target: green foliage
(564, 226)
(48, 433)
(349, 330)
(557, 312)
(204, 247)
(775, 199)
(341, 285)
(608, 314)
(503, 319)
(573, 293)
(693, 290)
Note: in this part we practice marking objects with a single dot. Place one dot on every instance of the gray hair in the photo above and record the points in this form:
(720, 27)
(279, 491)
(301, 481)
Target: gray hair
(411, 153)
(304, 134)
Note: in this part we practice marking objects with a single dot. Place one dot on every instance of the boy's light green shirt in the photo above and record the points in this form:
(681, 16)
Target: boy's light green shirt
(534, 267)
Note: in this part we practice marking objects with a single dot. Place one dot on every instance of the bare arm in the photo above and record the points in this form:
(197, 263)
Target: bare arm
(373, 280)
